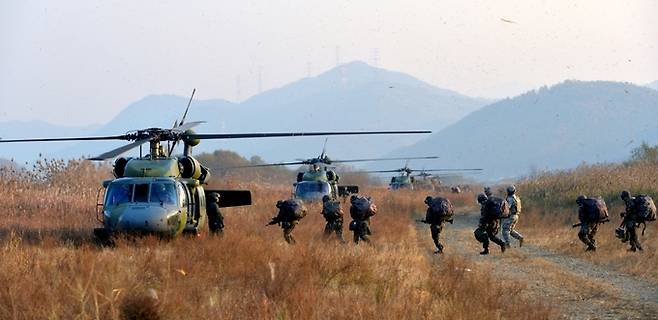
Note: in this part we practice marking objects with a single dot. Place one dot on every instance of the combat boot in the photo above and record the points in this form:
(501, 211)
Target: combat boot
(485, 251)
(591, 248)
(504, 247)
(520, 242)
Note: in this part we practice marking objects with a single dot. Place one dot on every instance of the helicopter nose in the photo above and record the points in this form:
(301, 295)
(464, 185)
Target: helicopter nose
(149, 219)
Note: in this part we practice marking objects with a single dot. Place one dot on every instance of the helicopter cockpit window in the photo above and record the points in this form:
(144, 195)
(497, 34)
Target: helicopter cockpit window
(313, 187)
(141, 193)
(163, 193)
(119, 193)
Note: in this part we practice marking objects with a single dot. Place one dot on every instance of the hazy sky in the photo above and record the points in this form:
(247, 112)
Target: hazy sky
(83, 61)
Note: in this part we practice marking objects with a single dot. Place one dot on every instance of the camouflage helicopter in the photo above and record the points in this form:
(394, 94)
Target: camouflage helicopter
(405, 179)
(161, 194)
(320, 178)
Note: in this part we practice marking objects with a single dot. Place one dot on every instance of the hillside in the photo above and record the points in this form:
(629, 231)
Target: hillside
(353, 96)
(550, 128)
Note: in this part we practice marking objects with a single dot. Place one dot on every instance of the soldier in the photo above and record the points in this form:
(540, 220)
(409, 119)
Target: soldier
(630, 222)
(291, 211)
(514, 203)
(587, 228)
(215, 218)
(361, 209)
(333, 214)
(487, 228)
(439, 210)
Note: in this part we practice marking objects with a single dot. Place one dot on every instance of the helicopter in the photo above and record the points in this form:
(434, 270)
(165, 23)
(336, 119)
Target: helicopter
(405, 179)
(320, 178)
(162, 194)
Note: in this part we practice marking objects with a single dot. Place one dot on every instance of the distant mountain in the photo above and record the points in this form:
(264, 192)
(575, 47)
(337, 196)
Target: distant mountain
(353, 96)
(653, 85)
(550, 128)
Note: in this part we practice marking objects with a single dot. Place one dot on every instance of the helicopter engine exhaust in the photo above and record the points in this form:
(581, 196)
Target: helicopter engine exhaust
(191, 168)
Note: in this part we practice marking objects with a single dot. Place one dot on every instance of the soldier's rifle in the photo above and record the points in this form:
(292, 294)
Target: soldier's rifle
(580, 223)
(425, 222)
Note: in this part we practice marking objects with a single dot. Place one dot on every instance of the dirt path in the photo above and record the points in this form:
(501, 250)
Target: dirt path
(579, 289)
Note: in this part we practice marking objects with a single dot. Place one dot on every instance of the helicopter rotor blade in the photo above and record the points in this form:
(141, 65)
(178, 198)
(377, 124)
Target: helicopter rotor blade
(268, 165)
(180, 126)
(182, 120)
(115, 152)
(324, 148)
(450, 170)
(384, 171)
(294, 134)
(187, 126)
(117, 137)
(381, 159)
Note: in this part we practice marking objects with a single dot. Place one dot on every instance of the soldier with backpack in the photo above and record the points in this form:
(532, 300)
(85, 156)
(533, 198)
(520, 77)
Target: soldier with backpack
(591, 213)
(361, 210)
(291, 211)
(333, 214)
(639, 210)
(514, 203)
(439, 210)
(491, 211)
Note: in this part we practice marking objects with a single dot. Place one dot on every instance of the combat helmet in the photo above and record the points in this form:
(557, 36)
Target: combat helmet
(482, 198)
(511, 189)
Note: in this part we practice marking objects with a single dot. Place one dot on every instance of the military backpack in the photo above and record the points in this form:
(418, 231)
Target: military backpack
(593, 210)
(496, 208)
(644, 208)
(362, 208)
(291, 210)
(331, 210)
(439, 210)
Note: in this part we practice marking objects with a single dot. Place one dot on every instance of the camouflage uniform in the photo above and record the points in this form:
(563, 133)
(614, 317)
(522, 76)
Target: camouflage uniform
(287, 231)
(215, 218)
(360, 224)
(436, 232)
(334, 220)
(361, 230)
(285, 217)
(509, 223)
(630, 223)
(487, 229)
(587, 233)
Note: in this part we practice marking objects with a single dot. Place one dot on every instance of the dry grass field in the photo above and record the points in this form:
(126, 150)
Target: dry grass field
(550, 209)
(52, 268)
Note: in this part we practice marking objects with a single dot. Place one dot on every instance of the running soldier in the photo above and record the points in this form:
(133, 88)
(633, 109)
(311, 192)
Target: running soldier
(591, 213)
(333, 214)
(361, 210)
(439, 210)
(639, 210)
(291, 211)
(514, 203)
(491, 211)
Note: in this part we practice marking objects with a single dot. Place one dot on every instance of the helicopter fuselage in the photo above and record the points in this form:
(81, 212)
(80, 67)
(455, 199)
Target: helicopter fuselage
(313, 185)
(401, 182)
(162, 196)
